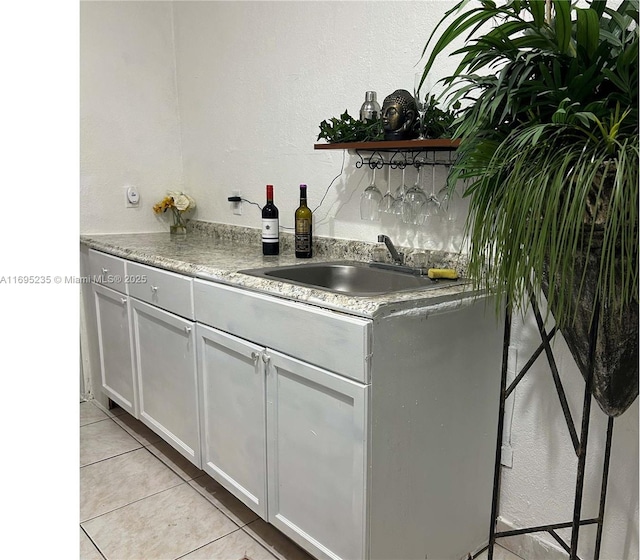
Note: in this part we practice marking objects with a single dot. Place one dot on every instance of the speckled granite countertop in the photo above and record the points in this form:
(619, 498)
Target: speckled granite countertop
(217, 252)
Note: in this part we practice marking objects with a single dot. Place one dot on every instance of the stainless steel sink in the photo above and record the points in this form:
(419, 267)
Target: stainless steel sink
(350, 278)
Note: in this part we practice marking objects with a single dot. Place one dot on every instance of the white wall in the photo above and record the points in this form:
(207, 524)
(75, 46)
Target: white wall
(254, 79)
(216, 96)
(129, 121)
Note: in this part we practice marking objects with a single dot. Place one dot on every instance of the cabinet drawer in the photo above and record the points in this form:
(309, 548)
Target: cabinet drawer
(164, 289)
(107, 270)
(336, 342)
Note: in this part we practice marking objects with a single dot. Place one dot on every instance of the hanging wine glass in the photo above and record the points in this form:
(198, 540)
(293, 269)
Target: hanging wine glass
(388, 199)
(446, 204)
(413, 204)
(396, 208)
(449, 207)
(433, 203)
(422, 215)
(420, 102)
(370, 198)
(401, 188)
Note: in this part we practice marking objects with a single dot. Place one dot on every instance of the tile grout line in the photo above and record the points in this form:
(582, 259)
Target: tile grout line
(134, 502)
(215, 540)
(221, 511)
(114, 456)
(92, 542)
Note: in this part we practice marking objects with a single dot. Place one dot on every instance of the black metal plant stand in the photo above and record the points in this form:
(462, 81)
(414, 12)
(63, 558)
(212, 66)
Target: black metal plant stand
(579, 443)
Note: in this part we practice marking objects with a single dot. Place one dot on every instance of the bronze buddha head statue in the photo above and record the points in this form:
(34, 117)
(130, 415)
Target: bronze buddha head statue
(399, 113)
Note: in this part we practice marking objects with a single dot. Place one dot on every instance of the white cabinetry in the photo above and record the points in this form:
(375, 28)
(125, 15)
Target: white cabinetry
(308, 478)
(232, 415)
(161, 288)
(165, 350)
(317, 457)
(166, 366)
(304, 426)
(114, 342)
(380, 434)
(334, 341)
(107, 270)
(147, 347)
(360, 439)
(117, 373)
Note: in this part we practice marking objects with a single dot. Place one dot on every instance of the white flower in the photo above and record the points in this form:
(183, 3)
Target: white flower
(182, 201)
(192, 203)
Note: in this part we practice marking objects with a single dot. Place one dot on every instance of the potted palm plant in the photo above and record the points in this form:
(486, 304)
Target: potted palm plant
(549, 149)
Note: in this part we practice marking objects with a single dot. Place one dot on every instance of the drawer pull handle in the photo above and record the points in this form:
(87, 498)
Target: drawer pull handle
(187, 330)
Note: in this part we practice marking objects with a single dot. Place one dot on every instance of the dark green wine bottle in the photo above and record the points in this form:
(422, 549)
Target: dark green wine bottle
(304, 227)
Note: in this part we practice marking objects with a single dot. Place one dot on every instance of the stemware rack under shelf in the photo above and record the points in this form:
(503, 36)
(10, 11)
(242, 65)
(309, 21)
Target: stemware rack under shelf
(403, 152)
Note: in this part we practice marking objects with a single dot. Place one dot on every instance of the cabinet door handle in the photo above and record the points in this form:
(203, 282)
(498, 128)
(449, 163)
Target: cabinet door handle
(123, 300)
(187, 329)
(255, 356)
(105, 270)
(266, 358)
(154, 289)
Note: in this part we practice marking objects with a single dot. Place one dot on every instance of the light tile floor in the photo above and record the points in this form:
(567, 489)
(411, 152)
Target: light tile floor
(141, 500)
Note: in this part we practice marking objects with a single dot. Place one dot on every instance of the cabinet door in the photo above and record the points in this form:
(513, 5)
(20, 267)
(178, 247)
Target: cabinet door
(116, 349)
(232, 415)
(166, 367)
(317, 457)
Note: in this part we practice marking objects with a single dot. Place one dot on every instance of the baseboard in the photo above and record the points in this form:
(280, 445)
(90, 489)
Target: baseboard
(529, 546)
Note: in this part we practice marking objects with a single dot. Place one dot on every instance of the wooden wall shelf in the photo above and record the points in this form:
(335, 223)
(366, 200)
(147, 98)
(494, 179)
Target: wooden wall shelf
(440, 144)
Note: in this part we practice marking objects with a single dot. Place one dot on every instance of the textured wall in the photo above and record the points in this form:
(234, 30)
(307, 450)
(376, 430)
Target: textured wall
(255, 79)
(129, 122)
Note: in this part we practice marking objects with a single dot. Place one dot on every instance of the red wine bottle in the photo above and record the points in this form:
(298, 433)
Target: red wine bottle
(270, 226)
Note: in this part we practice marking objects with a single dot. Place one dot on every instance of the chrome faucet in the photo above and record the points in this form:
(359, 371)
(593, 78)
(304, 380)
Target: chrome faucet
(398, 258)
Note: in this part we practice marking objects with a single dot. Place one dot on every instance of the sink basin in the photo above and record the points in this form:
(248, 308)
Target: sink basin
(350, 278)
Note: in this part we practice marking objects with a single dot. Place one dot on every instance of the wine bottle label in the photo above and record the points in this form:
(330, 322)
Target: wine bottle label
(270, 230)
(303, 236)
(303, 226)
(303, 242)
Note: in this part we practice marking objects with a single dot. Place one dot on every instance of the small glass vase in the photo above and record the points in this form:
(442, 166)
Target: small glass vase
(177, 229)
(179, 226)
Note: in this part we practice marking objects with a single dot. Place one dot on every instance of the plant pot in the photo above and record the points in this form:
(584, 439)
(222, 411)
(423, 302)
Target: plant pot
(615, 368)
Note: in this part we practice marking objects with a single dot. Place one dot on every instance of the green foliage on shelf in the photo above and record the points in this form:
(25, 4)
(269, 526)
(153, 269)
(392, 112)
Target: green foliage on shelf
(438, 122)
(348, 129)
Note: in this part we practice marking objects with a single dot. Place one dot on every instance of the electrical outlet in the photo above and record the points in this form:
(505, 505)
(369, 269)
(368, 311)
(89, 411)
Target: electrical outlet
(236, 207)
(131, 197)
